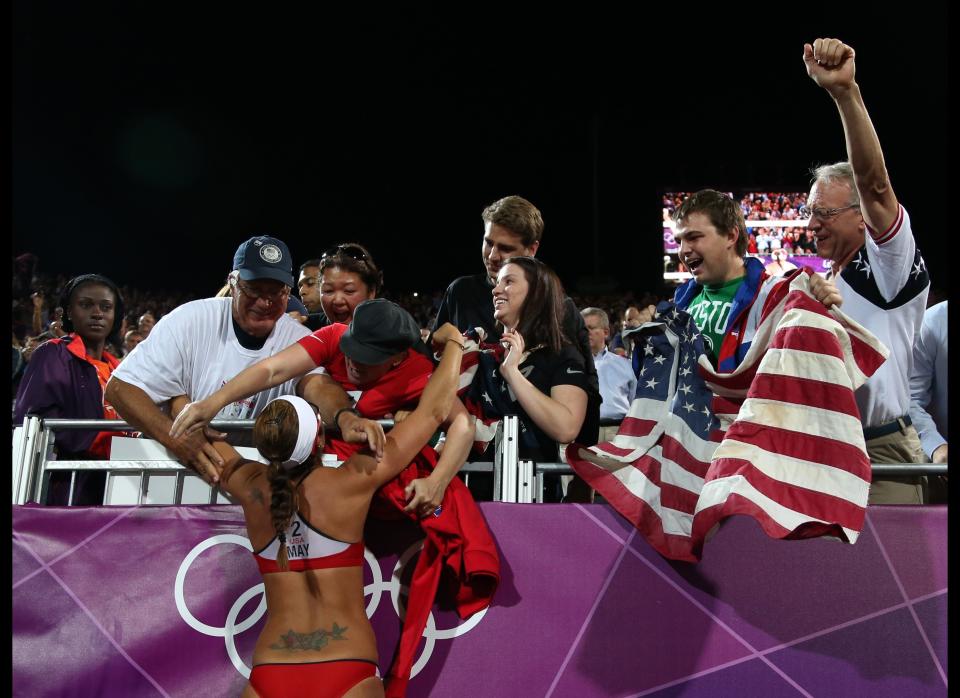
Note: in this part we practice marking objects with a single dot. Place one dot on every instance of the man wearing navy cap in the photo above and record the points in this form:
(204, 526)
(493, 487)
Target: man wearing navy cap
(202, 344)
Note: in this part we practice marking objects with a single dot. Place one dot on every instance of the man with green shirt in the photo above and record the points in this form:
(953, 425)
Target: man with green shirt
(726, 294)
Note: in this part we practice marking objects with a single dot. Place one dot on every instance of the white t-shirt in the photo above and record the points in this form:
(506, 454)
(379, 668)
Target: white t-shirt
(194, 350)
(884, 288)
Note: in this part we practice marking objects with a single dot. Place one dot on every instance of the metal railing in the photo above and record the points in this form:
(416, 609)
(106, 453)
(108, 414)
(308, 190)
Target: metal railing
(134, 463)
(139, 460)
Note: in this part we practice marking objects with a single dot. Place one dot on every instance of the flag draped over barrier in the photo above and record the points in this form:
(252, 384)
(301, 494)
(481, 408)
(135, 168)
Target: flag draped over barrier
(779, 439)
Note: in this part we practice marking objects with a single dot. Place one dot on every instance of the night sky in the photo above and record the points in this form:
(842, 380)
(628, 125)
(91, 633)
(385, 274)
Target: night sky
(147, 143)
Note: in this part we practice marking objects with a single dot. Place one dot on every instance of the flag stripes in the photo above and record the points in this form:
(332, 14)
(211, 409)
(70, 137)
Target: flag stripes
(792, 455)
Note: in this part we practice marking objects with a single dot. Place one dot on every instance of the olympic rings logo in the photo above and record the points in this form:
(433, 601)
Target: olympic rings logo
(231, 628)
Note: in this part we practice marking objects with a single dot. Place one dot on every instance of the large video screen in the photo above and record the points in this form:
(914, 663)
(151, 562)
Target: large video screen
(776, 230)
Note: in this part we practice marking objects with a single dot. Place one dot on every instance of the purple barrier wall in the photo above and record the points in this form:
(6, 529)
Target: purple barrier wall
(148, 601)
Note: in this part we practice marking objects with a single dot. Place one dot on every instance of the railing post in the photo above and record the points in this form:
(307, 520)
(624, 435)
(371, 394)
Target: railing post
(498, 463)
(527, 485)
(25, 461)
(44, 449)
(505, 461)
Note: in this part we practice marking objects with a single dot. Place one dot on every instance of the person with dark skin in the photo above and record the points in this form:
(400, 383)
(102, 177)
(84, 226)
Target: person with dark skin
(66, 376)
(305, 524)
(308, 287)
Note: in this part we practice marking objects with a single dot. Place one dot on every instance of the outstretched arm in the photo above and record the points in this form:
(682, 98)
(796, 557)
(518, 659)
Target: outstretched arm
(832, 65)
(193, 450)
(288, 364)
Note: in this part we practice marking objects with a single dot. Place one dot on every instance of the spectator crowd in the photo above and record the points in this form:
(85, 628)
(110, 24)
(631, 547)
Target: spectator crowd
(37, 317)
(764, 206)
(548, 357)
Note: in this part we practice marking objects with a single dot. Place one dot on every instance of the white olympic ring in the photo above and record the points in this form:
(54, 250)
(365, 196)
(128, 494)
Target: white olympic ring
(375, 589)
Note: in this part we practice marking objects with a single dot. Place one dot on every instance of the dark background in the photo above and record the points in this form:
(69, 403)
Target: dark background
(148, 142)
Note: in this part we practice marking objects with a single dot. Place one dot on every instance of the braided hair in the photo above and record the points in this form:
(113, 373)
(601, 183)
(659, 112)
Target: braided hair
(275, 435)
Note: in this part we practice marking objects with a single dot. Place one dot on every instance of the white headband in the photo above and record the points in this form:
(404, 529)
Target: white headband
(308, 427)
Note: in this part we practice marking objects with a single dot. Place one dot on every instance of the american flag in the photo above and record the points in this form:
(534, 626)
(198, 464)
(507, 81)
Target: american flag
(779, 439)
(480, 387)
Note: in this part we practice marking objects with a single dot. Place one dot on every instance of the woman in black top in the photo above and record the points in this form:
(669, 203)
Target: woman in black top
(541, 377)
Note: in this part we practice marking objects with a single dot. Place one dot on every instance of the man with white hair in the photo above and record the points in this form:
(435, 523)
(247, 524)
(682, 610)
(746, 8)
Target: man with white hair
(860, 226)
(618, 382)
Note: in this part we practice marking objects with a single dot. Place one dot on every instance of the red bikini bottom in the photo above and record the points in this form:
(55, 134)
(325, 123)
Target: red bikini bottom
(329, 679)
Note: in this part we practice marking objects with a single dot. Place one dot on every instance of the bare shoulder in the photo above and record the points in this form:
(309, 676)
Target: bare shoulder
(359, 470)
(246, 481)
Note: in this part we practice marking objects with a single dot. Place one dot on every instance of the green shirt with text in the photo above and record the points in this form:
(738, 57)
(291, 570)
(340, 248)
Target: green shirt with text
(710, 310)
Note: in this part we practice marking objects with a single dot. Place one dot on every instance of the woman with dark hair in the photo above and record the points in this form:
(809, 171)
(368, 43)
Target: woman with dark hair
(537, 372)
(348, 276)
(66, 378)
(305, 524)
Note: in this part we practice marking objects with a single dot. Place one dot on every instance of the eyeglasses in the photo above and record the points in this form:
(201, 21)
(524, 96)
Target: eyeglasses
(347, 250)
(271, 297)
(824, 214)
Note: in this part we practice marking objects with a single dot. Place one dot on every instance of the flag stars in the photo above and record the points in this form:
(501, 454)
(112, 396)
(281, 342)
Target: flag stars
(688, 407)
(648, 350)
(652, 383)
(862, 264)
(685, 372)
(685, 389)
(918, 269)
(659, 359)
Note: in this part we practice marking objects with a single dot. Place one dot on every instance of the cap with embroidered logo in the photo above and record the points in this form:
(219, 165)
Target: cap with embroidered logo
(264, 257)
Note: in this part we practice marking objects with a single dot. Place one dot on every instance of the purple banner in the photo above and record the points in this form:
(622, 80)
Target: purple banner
(166, 601)
(800, 260)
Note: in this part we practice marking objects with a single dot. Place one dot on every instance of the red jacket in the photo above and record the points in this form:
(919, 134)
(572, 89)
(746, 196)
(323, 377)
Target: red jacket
(456, 539)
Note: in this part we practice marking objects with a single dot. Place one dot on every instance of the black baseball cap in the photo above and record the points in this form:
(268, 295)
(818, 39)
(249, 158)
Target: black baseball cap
(379, 330)
(264, 257)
